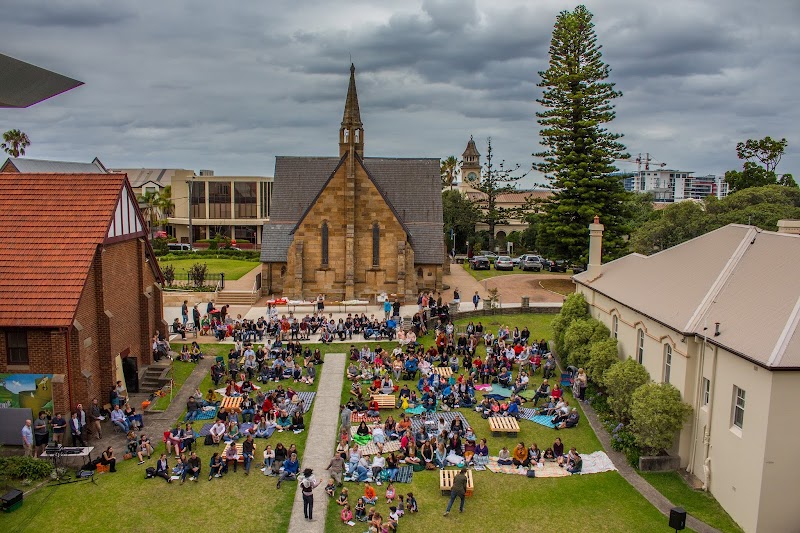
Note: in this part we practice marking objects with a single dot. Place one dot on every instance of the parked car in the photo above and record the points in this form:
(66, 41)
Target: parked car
(559, 265)
(490, 256)
(503, 263)
(531, 263)
(480, 262)
(516, 260)
(577, 269)
(180, 247)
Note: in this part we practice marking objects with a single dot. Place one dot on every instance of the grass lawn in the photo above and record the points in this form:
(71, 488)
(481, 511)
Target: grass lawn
(598, 502)
(127, 502)
(561, 286)
(233, 268)
(182, 371)
(699, 504)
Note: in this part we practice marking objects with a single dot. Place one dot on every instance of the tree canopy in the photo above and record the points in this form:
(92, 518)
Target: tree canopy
(15, 142)
(579, 155)
(460, 215)
(768, 152)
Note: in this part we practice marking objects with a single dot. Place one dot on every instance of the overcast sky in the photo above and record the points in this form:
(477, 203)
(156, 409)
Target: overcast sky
(229, 85)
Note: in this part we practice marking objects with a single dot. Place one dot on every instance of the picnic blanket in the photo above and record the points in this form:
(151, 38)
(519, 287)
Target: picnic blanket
(415, 410)
(404, 474)
(206, 414)
(372, 448)
(205, 430)
(542, 420)
(357, 418)
(245, 426)
(449, 416)
(307, 398)
(483, 387)
(549, 469)
(362, 440)
(527, 414)
(596, 462)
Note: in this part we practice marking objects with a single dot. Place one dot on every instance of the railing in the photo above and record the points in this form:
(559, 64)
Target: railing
(213, 279)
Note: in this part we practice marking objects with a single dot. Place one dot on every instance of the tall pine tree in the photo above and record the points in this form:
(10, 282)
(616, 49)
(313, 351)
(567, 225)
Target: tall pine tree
(579, 151)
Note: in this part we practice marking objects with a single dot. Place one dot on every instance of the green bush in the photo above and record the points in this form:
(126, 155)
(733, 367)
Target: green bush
(160, 246)
(657, 413)
(169, 274)
(602, 355)
(19, 467)
(213, 245)
(624, 441)
(579, 338)
(574, 308)
(198, 273)
(621, 380)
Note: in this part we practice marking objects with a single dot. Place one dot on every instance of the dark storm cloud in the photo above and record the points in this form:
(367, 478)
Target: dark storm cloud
(229, 86)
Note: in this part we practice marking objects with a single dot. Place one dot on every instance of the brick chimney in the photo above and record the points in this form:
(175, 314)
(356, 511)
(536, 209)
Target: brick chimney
(789, 226)
(595, 249)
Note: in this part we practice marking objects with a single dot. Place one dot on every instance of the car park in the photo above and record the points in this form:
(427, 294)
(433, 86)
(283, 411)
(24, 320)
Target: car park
(531, 263)
(559, 265)
(503, 262)
(480, 262)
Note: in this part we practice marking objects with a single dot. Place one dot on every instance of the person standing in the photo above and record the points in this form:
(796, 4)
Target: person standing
(476, 298)
(196, 318)
(185, 312)
(248, 452)
(320, 304)
(307, 486)
(346, 420)
(40, 433)
(76, 429)
(27, 439)
(459, 490)
(95, 416)
(59, 426)
(387, 309)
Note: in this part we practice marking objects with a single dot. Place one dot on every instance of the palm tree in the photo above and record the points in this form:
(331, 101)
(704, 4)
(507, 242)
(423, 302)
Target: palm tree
(449, 170)
(149, 204)
(15, 142)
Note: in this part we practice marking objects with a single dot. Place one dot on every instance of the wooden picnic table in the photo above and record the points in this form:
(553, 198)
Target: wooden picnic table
(239, 452)
(446, 478)
(385, 401)
(504, 424)
(231, 402)
(444, 371)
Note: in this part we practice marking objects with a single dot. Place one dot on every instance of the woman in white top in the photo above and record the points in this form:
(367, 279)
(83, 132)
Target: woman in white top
(269, 458)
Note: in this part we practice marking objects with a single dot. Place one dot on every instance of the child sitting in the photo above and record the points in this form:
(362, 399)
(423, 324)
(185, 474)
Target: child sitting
(346, 514)
(390, 493)
(330, 488)
(411, 503)
(361, 510)
(342, 497)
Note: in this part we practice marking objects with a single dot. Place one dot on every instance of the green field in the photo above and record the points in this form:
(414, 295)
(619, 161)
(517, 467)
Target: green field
(233, 268)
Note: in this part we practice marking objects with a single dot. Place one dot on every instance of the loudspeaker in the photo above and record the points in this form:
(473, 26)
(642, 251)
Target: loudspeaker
(677, 518)
(11, 500)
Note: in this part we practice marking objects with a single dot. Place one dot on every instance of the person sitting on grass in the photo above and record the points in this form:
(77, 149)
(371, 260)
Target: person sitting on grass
(378, 464)
(542, 392)
(133, 442)
(144, 447)
(504, 457)
(574, 461)
(370, 496)
(283, 422)
(361, 510)
(297, 424)
(231, 457)
(342, 499)
(191, 468)
(215, 466)
(570, 421)
(162, 468)
(346, 515)
(330, 488)
(264, 429)
(291, 468)
(232, 434)
(520, 456)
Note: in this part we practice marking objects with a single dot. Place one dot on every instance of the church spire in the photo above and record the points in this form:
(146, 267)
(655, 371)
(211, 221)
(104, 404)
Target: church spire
(351, 134)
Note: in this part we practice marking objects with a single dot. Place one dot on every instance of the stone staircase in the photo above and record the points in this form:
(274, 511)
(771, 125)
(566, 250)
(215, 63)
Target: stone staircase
(153, 377)
(231, 297)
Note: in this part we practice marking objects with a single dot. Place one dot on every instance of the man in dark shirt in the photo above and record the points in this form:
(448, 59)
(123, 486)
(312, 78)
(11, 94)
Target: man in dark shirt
(248, 452)
(459, 490)
(59, 427)
(191, 410)
(192, 468)
(40, 433)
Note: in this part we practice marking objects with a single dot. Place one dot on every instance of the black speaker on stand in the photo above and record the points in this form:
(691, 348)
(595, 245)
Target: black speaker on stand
(677, 518)
(11, 500)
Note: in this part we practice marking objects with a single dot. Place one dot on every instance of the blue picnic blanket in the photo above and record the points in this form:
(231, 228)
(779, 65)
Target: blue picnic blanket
(206, 415)
(543, 420)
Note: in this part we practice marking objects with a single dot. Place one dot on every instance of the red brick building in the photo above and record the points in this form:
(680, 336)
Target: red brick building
(79, 284)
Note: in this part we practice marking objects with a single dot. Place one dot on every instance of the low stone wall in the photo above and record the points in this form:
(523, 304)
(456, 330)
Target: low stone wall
(659, 463)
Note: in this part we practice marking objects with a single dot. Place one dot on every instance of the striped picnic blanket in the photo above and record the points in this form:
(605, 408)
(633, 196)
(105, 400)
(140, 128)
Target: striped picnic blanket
(357, 418)
(449, 416)
(372, 448)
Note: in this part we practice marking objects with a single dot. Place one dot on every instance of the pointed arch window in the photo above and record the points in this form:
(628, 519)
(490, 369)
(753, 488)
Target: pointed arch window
(376, 245)
(358, 136)
(324, 244)
(346, 135)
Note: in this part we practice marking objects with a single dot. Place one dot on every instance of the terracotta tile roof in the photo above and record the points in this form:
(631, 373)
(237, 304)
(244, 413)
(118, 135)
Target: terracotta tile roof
(50, 227)
(516, 197)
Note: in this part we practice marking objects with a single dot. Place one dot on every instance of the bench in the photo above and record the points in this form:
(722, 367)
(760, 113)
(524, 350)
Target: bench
(504, 424)
(385, 401)
(239, 453)
(444, 371)
(446, 478)
(231, 402)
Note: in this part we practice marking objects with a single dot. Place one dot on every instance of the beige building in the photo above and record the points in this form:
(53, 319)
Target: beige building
(718, 318)
(234, 206)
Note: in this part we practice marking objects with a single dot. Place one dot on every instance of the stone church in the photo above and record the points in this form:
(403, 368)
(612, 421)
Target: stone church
(353, 227)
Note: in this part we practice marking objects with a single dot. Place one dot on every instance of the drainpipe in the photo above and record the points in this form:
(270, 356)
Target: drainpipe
(698, 392)
(69, 372)
(707, 436)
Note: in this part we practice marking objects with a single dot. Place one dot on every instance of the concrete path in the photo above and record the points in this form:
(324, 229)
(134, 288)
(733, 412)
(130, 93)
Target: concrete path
(319, 443)
(246, 282)
(658, 500)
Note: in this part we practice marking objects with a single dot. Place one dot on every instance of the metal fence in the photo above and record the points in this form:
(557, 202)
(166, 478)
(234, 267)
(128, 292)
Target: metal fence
(211, 279)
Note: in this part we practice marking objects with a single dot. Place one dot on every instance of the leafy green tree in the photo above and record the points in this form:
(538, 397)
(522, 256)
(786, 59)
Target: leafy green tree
(15, 142)
(657, 413)
(496, 180)
(672, 225)
(602, 355)
(530, 236)
(574, 308)
(460, 215)
(449, 170)
(621, 380)
(768, 152)
(579, 338)
(579, 150)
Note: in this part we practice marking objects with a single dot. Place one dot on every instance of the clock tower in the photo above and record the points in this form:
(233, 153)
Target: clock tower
(470, 166)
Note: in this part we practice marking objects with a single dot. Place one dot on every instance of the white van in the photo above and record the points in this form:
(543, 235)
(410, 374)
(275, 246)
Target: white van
(180, 247)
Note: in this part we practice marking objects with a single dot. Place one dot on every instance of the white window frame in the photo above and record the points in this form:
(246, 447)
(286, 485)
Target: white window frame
(738, 406)
(640, 346)
(667, 362)
(706, 391)
(614, 326)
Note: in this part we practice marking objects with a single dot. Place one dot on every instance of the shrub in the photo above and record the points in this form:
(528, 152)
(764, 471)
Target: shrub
(602, 355)
(160, 246)
(19, 467)
(213, 244)
(169, 274)
(621, 380)
(574, 308)
(657, 413)
(579, 338)
(624, 441)
(198, 273)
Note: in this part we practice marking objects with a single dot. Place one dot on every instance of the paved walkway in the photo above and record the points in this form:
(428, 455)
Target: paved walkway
(319, 443)
(246, 282)
(658, 500)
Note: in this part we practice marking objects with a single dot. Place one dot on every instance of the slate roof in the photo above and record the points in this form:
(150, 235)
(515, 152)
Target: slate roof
(25, 165)
(49, 231)
(140, 176)
(412, 187)
(737, 275)
(23, 84)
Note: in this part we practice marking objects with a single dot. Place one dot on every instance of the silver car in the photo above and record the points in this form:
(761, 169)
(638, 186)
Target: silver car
(531, 262)
(503, 263)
